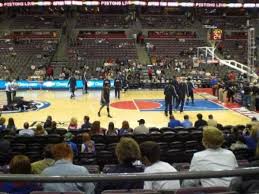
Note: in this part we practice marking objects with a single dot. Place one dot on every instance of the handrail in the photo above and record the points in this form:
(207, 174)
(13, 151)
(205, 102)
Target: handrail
(130, 176)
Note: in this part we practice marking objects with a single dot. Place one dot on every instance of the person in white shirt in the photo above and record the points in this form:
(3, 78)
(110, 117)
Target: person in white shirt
(213, 158)
(150, 154)
(26, 131)
(141, 129)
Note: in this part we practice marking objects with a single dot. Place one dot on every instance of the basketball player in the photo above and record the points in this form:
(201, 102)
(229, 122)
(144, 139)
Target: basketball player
(72, 85)
(117, 87)
(189, 88)
(8, 91)
(169, 92)
(105, 100)
(85, 80)
(181, 91)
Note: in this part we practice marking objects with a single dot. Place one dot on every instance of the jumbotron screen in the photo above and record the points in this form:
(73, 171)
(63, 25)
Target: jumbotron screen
(211, 4)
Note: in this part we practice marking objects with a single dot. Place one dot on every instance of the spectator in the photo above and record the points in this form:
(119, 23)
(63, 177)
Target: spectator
(150, 152)
(125, 128)
(73, 124)
(39, 166)
(68, 137)
(250, 139)
(39, 131)
(88, 145)
(111, 130)
(96, 128)
(186, 122)
(141, 129)
(5, 150)
(173, 122)
(127, 152)
(87, 124)
(239, 144)
(53, 127)
(11, 126)
(26, 131)
(213, 158)
(254, 121)
(63, 166)
(211, 122)
(2, 124)
(48, 122)
(200, 122)
(20, 164)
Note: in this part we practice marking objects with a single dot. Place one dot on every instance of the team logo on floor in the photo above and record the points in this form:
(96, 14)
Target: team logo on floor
(159, 105)
(31, 106)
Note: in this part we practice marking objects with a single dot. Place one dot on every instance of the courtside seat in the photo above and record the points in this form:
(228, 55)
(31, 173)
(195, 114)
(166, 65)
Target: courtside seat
(106, 157)
(98, 138)
(18, 147)
(155, 137)
(112, 139)
(177, 145)
(183, 136)
(111, 147)
(34, 156)
(141, 137)
(93, 169)
(184, 166)
(175, 156)
(192, 145)
(196, 135)
(154, 129)
(87, 158)
(167, 129)
(100, 147)
(168, 137)
(45, 192)
(189, 154)
(140, 191)
(61, 131)
(54, 138)
(34, 147)
(203, 190)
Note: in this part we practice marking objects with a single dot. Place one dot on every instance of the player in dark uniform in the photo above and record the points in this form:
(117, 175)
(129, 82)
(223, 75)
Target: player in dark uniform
(106, 82)
(181, 91)
(105, 100)
(85, 80)
(72, 85)
(169, 92)
(117, 87)
(189, 91)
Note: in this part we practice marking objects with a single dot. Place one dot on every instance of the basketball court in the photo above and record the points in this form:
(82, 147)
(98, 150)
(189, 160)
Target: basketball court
(133, 105)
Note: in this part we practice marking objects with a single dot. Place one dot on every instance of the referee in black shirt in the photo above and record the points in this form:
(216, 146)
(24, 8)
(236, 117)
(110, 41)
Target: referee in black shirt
(105, 100)
(72, 85)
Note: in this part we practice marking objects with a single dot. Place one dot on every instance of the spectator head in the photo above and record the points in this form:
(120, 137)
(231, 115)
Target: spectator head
(254, 119)
(2, 121)
(127, 150)
(68, 136)
(125, 125)
(150, 152)
(186, 117)
(47, 152)
(62, 151)
(86, 137)
(73, 121)
(96, 127)
(86, 119)
(49, 118)
(210, 116)
(199, 116)
(111, 126)
(53, 125)
(26, 125)
(39, 130)
(171, 117)
(20, 164)
(212, 138)
(141, 121)
(11, 122)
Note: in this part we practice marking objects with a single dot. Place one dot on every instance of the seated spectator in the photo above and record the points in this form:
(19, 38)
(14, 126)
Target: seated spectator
(127, 152)
(2, 124)
(141, 129)
(200, 122)
(173, 122)
(48, 122)
(186, 122)
(87, 124)
(53, 127)
(88, 145)
(96, 128)
(5, 150)
(111, 130)
(125, 128)
(251, 139)
(211, 121)
(20, 164)
(63, 166)
(39, 166)
(150, 154)
(213, 158)
(239, 144)
(68, 137)
(39, 131)
(254, 121)
(26, 131)
(11, 126)
(73, 124)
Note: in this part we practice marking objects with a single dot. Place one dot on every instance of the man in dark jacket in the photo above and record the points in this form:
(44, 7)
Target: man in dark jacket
(189, 91)
(117, 87)
(72, 85)
(181, 91)
(169, 92)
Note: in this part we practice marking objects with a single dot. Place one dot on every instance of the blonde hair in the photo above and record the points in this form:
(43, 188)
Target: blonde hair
(73, 121)
(2, 120)
(39, 130)
(212, 137)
